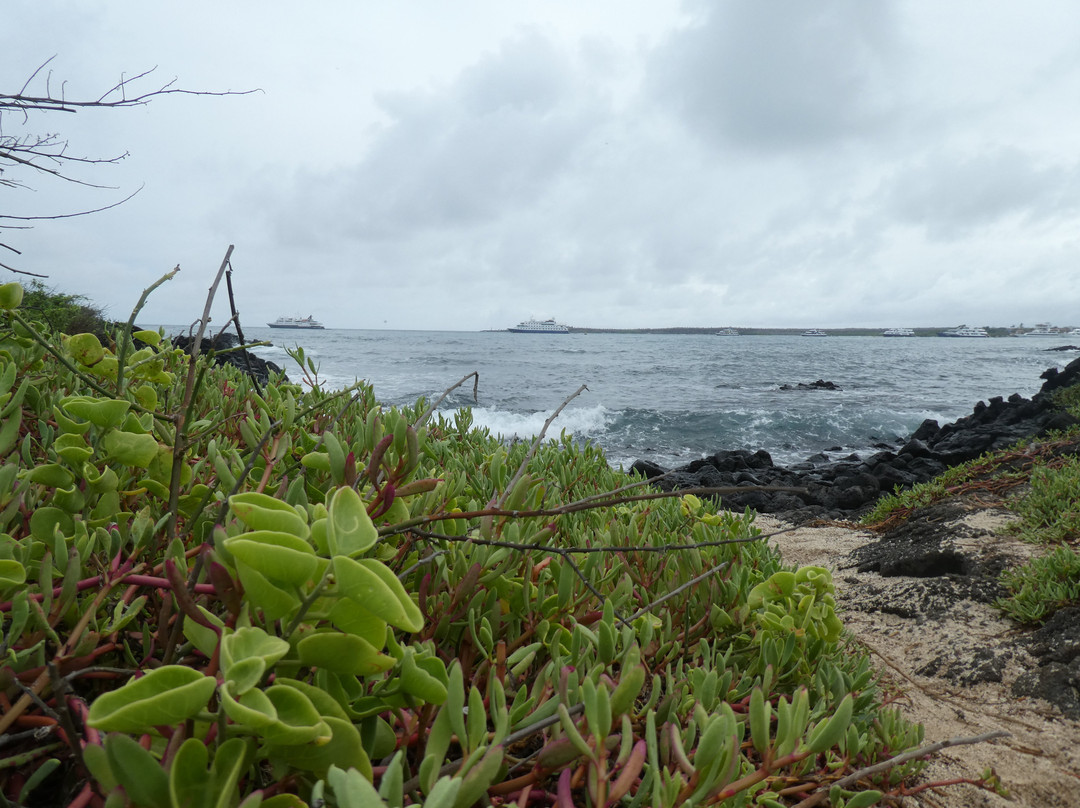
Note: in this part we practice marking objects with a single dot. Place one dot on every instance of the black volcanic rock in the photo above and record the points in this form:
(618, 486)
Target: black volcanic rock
(244, 361)
(821, 488)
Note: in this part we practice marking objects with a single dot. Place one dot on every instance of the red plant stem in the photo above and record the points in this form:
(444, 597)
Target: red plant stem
(82, 799)
(133, 580)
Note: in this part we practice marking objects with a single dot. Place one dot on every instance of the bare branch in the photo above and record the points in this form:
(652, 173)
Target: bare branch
(914, 754)
(68, 215)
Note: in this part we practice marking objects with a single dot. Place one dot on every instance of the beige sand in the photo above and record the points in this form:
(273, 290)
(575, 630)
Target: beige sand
(1039, 763)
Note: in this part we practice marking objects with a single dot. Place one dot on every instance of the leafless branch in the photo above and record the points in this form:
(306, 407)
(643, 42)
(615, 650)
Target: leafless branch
(914, 754)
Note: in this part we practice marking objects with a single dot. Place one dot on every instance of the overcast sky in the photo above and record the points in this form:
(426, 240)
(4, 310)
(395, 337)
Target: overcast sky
(612, 163)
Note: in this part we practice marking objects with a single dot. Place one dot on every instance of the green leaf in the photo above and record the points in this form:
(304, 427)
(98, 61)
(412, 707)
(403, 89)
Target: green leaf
(342, 748)
(323, 702)
(11, 295)
(230, 762)
(343, 653)
(163, 697)
(12, 573)
(147, 336)
(85, 349)
(418, 681)
(279, 556)
(252, 710)
(353, 618)
(131, 449)
(374, 586)
(138, 771)
(73, 448)
(274, 601)
(188, 784)
(297, 719)
(106, 413)
(349, 529)
(251, 641)
(52, 475)
(352, 789)
(263, 512)
(245, 674)
(97, 761)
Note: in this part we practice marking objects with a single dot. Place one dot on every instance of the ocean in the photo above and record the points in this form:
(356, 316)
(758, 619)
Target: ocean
(672, 399)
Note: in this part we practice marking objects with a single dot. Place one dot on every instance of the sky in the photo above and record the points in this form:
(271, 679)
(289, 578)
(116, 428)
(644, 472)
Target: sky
(611, 164)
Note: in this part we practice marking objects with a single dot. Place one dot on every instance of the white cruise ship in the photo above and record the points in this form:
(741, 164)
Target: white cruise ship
(539, 327)
(1042, 330)
(296, 322)
(814, 332)
(898, 332)
(964, 331)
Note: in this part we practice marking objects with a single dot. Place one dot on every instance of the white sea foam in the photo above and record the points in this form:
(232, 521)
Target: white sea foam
(581, 421)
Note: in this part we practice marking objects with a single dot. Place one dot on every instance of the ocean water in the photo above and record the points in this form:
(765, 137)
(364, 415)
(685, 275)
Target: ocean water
(675, 398)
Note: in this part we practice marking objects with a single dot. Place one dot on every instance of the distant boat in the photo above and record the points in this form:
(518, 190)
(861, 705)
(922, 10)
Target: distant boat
(539, 327)
(1042, 330)
(727, 332)
(814, 332)
(964, 331)
(898, 332)
(296, 322)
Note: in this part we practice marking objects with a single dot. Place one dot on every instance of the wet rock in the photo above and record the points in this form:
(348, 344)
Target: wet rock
(244, 361)
(820, 384)
(845, 488)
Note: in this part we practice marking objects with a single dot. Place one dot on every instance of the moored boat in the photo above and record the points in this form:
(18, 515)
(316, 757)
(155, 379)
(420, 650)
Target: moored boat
(296, 322)
(898, 332)
(964, 331)
(1042, 330)
(548, 326)
(814, 332)
(727, 332)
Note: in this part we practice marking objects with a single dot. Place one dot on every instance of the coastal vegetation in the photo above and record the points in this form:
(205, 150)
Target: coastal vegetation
(216, 593)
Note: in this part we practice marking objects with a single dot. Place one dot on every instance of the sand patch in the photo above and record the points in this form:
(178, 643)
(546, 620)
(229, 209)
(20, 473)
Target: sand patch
(949, 654)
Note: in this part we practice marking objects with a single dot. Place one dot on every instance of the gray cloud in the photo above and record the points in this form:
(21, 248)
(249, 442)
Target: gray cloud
(766, 76)
(950, 194)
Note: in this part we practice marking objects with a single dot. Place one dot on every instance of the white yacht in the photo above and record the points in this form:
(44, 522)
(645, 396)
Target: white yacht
(964, 331)
(898, 332)
(814, 332)
(727, 332)
(1042, 330)
(539, 327)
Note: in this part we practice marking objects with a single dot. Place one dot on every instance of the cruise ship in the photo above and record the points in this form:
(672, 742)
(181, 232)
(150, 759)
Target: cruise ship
(539, 327)
(898, 332)
(296, 322)
(814, 332)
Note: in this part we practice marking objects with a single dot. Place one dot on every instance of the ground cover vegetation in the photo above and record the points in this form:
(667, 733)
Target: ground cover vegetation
(215, 593)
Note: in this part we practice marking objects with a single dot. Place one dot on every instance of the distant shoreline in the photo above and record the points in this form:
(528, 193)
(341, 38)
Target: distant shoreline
(789, 332)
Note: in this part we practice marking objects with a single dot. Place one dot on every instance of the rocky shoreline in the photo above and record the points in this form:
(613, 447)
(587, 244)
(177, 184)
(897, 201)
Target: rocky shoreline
(843, 489)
